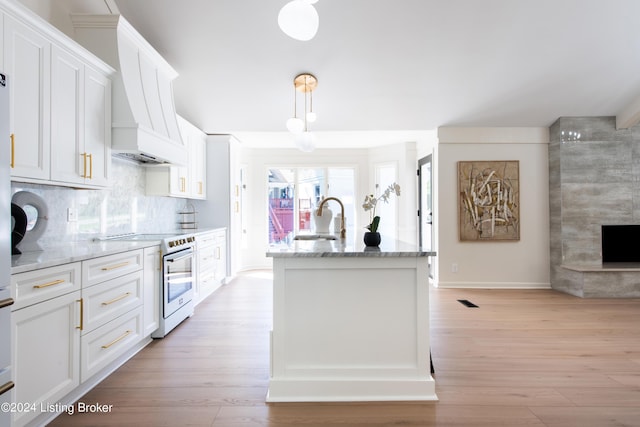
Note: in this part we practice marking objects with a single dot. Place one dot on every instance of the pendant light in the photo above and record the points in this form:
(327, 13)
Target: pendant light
(299, 19)
(299, 127)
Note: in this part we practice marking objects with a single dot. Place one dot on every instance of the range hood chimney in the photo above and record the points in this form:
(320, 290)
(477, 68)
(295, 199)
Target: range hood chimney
(145, 126)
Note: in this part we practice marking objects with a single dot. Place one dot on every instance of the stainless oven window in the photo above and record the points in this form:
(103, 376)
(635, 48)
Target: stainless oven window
(178, 279)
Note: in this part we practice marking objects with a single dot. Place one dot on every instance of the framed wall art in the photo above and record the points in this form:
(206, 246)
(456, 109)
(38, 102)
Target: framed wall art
(489, 200)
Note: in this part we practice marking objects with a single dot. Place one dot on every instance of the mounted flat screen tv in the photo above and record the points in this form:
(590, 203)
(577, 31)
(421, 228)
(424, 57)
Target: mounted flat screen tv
(620, 243)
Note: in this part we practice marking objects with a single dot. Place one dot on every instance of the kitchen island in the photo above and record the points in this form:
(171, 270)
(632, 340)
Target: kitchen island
(350, 323)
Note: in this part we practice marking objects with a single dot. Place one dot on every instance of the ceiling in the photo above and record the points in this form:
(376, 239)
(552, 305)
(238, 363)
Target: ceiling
(391, 70)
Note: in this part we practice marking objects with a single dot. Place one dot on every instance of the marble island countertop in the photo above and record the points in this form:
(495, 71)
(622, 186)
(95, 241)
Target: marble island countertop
(351, 246)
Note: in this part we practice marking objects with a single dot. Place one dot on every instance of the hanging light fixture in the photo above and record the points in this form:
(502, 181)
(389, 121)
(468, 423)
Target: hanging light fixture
(299, 127)
(299, 19)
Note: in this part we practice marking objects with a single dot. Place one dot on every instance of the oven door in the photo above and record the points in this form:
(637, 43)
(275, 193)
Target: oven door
(178, 280)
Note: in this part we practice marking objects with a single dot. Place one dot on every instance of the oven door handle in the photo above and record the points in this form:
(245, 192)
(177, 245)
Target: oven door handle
(6, 302)
(180, 258)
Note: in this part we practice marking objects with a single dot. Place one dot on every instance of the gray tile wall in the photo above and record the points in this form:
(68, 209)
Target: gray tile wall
(594, 179)
(121, 209)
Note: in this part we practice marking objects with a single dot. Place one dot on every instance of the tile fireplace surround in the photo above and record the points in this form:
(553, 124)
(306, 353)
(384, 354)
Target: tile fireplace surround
(593, 180)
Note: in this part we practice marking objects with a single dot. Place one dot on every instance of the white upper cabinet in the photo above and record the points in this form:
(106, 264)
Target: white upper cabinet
(80, 122)
(182, 181)
(27, 59)
(60, 104)
(97, 126)
(197, 150)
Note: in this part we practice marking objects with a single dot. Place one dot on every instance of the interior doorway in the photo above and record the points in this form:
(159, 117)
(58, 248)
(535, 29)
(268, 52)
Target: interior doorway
(425, 202)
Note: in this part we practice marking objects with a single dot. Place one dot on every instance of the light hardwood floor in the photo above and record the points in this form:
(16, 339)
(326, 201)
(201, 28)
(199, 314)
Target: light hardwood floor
(522, 358)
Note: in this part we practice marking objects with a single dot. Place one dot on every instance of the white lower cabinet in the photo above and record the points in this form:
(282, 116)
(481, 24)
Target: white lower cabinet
(108, 300)
(103, 345)
(151, 292)
(211, 264)
(112, 298)
(71, 321)
(46, 353)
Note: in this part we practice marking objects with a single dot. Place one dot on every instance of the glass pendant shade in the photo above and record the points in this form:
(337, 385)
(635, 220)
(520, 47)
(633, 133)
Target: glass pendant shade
(299, 20)
(295, 125)
(305, 141)
(311, 117)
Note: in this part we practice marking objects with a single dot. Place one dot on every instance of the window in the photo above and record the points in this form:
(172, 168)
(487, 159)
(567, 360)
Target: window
(294, 193)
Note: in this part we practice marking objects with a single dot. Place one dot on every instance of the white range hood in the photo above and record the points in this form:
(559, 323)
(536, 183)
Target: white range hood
(145, 126)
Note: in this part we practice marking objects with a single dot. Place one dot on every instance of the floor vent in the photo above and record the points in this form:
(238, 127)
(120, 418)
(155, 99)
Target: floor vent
(467, 303)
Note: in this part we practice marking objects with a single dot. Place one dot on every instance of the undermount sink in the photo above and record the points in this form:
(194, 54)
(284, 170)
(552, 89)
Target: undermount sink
(315, 237)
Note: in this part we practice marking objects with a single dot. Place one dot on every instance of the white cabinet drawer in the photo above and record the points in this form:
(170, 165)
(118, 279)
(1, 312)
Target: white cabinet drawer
(98, 270)
(108, 342)
(208, 256)
(36, 286)
(207, 239)
(108, 300)
(210, 238)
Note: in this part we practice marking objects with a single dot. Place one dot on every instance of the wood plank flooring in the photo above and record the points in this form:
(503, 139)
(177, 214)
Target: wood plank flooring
(522, 358)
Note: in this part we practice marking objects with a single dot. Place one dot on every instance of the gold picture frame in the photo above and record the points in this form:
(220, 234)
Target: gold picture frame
(489, 200)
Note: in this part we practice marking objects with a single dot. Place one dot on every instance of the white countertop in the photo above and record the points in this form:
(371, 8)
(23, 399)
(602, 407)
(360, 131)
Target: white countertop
(65, 253)
(72, 252)
(352, 246)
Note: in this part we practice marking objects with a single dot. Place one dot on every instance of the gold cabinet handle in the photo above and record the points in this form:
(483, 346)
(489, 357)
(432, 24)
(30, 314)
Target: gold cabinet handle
(84, 165)
(81, 301)
(6, 302)
(113, 267)
(183, 184)
(116, 299)
(13, 151)
(199, 187)
(120, 338)
(46, 285)
(90, 156)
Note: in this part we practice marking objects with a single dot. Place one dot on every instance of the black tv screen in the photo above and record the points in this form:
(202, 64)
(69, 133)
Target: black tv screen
(620, 243)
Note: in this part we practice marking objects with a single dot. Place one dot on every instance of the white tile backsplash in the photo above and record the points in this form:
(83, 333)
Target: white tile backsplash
(123, 208)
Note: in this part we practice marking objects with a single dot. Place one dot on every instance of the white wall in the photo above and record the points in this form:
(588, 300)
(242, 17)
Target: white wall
(521, 264)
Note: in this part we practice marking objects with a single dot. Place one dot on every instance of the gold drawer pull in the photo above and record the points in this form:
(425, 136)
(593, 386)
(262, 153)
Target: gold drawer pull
(81, 301)
(6, 302)
(120, 338)
(13, 151)
(84, 165)
(46, 285)
(6, 387)
(113, 267)
(116, 299)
